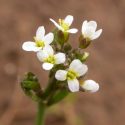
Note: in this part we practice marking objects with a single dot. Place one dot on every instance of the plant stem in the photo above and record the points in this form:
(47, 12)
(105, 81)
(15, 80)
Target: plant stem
(40, 114)
(50, 88)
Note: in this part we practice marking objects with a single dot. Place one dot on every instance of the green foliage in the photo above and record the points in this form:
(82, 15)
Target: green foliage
(58, 96)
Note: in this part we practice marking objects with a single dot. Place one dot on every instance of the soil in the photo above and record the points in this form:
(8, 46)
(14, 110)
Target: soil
(18, 23)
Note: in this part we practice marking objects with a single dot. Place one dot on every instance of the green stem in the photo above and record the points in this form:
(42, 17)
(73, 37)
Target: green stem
(40, 114)
(50, 88)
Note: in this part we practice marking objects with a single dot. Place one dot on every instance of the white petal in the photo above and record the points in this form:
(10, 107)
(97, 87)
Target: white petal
(90, 85)
(30, 46)
(78, 67)
(48, 49)
(84, 26)
(72, 30)
(92, 24)
(60, 58)
(61, 75)
(56, 24)
(43, 54)
(47, 66)
(96, 34)
(73, 85)
(68, 20)
(88, 32)
(40, 33)
(88, 29)
(48, 38)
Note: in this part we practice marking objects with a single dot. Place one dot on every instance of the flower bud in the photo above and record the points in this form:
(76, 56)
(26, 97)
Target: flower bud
(67, 47)
(90, 85)
(31, 86)
(82, 56)
(85, 56)
(30, 82)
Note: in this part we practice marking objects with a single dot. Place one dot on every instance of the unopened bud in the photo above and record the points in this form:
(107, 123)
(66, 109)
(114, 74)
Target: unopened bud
(30, 82)
(85, 56)
(67, 47)
(90, 85)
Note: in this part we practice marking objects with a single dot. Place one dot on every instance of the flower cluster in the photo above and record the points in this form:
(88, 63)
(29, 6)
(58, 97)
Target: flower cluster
(56, 54)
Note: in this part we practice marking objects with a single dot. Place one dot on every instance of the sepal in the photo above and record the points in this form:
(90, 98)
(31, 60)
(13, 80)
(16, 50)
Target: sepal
(60, 37)
(84, 42)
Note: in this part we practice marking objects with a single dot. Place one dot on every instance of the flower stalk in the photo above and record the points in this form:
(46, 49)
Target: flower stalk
(40, 114)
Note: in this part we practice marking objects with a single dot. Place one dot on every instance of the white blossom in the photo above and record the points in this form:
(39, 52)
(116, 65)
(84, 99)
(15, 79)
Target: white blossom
(41, 40)
(49, 59)
(89, 30)
(75, 70)
(90, 85)
(65, 24)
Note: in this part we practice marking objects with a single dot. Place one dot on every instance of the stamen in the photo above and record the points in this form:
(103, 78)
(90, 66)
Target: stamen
(71, 75)
(39, 43)
(64, 25)
(50, 59)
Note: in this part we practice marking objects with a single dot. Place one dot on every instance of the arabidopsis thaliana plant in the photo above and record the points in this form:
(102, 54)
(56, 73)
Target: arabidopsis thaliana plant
(41, 40)
(75, 70)
(89, 30)
(49, 59)
(65, 24)
(90, 85)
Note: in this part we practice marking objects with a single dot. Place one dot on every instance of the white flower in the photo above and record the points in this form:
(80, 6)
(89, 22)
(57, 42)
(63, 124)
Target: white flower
(75, 70)
(49, 58)
(41, 40)
(90, 85)
(89, 30)
(65, 24)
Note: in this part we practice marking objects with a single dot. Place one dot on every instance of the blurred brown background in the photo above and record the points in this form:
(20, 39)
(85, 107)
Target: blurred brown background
(19, 20)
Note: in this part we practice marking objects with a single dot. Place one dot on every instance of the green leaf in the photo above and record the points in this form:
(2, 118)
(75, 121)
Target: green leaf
(59, 95)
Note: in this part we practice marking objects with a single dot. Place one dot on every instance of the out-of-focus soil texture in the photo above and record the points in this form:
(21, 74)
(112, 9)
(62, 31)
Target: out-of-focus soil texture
(19, 20)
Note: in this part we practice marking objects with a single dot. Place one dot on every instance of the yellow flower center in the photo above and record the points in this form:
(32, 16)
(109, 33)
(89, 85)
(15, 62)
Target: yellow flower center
(39, 43)
(64, 25)
(71, 75)
(50, 59)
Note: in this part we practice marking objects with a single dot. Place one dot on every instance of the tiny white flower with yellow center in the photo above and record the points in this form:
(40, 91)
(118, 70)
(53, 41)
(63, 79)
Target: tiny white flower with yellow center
(75, 70)
(41, 40)
(65, 24)
(89, 30)
(90, 85)
(49, 59)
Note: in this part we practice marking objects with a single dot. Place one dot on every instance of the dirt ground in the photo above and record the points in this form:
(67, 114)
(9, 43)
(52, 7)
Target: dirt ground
(18, 22)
